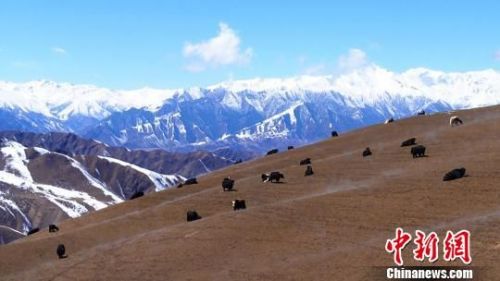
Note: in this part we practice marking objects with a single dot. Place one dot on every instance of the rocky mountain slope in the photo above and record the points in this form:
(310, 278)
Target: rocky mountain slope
(39, 187)
(329, 226)
(186, 164)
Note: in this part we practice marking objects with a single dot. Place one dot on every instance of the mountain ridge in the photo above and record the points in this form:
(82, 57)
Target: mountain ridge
(39, 187)
(252, 115)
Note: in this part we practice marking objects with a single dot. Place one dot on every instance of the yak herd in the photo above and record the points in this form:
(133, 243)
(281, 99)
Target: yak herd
(417, 151)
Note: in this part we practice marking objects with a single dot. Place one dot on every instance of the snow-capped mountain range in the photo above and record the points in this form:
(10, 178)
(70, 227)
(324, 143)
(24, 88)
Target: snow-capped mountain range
(253, 114)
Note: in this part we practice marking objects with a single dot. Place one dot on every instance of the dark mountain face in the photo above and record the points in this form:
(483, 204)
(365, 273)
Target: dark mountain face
(8, 234)
(187, 164)
(39, 187)
(45, 178)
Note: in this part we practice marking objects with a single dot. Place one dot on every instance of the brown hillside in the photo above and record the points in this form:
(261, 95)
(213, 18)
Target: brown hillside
(330, 226)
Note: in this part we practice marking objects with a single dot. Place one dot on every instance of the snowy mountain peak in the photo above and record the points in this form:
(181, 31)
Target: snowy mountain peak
(297, 109)
(63, 100)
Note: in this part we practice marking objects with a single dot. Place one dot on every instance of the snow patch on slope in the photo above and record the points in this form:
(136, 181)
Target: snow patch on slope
(160, 181)
(15, 159)
(92, 180)
(11, 207)
(272, 126)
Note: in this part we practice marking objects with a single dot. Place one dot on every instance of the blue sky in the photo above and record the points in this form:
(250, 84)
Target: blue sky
(168, 44)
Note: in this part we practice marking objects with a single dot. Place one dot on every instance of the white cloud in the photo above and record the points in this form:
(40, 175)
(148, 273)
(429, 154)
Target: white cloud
(59, 50)
(223, 49)
(354, 59)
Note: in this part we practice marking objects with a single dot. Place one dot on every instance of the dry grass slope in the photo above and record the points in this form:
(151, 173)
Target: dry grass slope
(330, 226)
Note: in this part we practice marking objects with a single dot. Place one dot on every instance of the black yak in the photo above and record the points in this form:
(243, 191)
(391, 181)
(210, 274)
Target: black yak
(53, 228)
(33, 230)
(409, 142)
(192, 216)
(309, 171)
(334, 134)
(61, 251)
(290, 147)
(306, 161)
(227, 184)
(454, 174)
(455, 121)
(421, 112)
(418, 151)
(239, 205)
(272, 151)
(190, 181)
(272, 177)
(238, 161)
(390, 120)
(367, 152)
(136, 195)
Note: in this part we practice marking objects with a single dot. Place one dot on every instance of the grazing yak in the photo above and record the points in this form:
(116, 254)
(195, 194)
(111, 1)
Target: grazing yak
(455, 121)
(192, 216)
(227, 184)
(367, 152)
(191, 181)
(238, 161)
(239, 205)
(136, 195)
(409, 142)
(61, 251)
(335, 134)
(306, 161)
(309, 171)
(33, 230)
(421, 112)
(290, 147)
(454, 174)
(272, 151)
(53, 228)
(272, 177)
(390, 120)
(418, 151)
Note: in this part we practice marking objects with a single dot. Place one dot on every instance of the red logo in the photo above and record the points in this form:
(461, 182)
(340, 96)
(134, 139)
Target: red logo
(455, 246)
